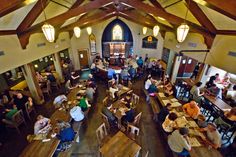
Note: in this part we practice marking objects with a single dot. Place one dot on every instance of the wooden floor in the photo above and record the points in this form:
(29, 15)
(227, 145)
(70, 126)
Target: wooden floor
(150, 139)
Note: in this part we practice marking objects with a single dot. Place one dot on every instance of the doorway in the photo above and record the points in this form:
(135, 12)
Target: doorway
(83, 59)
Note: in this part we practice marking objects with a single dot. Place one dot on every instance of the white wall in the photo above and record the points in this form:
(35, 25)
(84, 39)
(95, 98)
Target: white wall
(15, 56)
(97, 30)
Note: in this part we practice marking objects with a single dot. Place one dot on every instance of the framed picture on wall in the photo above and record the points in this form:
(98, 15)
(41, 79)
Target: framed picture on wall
(149, 42)
(92, 43)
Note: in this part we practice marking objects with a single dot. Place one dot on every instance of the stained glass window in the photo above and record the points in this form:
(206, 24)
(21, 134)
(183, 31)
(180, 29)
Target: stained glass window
(117, 33)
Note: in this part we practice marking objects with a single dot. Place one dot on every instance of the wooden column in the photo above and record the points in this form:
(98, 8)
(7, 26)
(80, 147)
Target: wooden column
(33, 85)
(57, 64)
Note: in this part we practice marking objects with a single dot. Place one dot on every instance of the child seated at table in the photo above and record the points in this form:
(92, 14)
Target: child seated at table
(83, 102)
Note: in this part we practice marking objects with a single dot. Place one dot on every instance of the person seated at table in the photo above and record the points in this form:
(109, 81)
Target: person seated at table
(93, 68)
(106, 110)
(140, 62)
(179, 143)
(8, 109)
(229, 116)
(68, 86)
(77, 115)
(168, 87)
(111, 74)
(19, 101)
(225, 81)
(152, 88)
(197, 94)
(211, 82)
(201, 121)
(231, 94)
(148, 82)
(127, 100)
(59, 101)
(212, 135)
(50, 77)
(217, 80)
(132, 72)
(90, 93)
(39, 77)
(170, 122)
(41, 125)
(74, 78)
(164, 112)
(215, 91)
(113, 89)
(83, 102)
(65, 133)
(91, 78)
(128, 117)
(191, 109)
(124, 74)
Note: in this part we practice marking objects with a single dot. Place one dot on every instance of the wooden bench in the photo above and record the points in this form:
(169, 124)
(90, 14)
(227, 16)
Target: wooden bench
(153, 103)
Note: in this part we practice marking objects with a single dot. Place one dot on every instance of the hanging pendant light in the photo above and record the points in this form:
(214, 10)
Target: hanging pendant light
(156, 30)
(183, 29)
(48, 30)
(89, 30)
(144, 30)
(77, 32)
(182, 32)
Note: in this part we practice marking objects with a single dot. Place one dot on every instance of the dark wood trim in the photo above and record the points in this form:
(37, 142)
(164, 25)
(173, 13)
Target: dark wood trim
(9, 6)
(225, 7)
(200, 15)
(226, 32)
(7, 32)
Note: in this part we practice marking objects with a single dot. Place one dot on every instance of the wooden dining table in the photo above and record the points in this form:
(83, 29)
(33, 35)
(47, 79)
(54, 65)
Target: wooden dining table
(37, 148)
(217, 102)
(120, 146)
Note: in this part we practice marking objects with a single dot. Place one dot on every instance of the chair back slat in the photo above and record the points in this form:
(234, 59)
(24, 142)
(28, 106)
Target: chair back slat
(133, 131)
(101, 133)
(106, 121)
(18, 117)
(137, 119)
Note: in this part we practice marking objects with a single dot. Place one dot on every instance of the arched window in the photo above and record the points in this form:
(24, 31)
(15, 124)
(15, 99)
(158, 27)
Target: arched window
(117, 32)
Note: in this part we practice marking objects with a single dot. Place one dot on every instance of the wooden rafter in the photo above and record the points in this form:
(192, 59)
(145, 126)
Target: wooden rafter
(227, 8)
(32, 15)
(7, 32)
(8, 6)
(226, 32)
(57, 20)
(200, 16)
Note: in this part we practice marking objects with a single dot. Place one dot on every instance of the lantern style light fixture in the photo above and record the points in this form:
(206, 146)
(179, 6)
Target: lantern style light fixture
(77, 32)
(89, 30)
(182, 32)
(156, 30)
(144, 30)
(48, 30)
(183, 29)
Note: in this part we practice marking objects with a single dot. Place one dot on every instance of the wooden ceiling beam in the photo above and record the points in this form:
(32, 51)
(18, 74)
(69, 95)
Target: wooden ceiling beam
(88, 19)
(226, 32)
(138, 16)
(156, 11)
(33, 15)
(200, 15)
(7, 32)
(57, 20)
(8, 6)
(227, 8)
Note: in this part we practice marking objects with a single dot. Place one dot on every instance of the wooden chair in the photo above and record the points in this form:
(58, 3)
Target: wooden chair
(16, 121)
(48, 89)
(135, 99)
(101, 134)
(29, 109)
(104, 101)
(137, 119)
(106, 121)
(132, 131)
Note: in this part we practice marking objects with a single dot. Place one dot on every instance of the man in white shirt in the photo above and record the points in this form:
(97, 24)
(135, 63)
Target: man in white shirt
(41, 125)
(178, 142)
(148, 82)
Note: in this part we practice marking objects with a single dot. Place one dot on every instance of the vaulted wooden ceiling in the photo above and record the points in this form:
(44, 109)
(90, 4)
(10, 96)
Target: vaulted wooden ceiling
(206, 17)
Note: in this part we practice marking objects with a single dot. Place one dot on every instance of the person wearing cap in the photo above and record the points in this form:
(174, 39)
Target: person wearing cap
(179, 143)
(212, 135)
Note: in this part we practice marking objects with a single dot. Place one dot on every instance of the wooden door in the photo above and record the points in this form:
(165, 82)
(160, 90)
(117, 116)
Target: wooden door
(83, 59)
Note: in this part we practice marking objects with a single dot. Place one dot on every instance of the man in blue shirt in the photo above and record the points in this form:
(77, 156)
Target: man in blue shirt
(111, 73)
(140, 62)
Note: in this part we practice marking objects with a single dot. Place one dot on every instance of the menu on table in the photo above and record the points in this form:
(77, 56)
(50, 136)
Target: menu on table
(162, 95)
(194, 142)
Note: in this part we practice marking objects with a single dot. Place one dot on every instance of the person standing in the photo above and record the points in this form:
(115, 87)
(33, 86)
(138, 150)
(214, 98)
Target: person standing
(195, 71)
